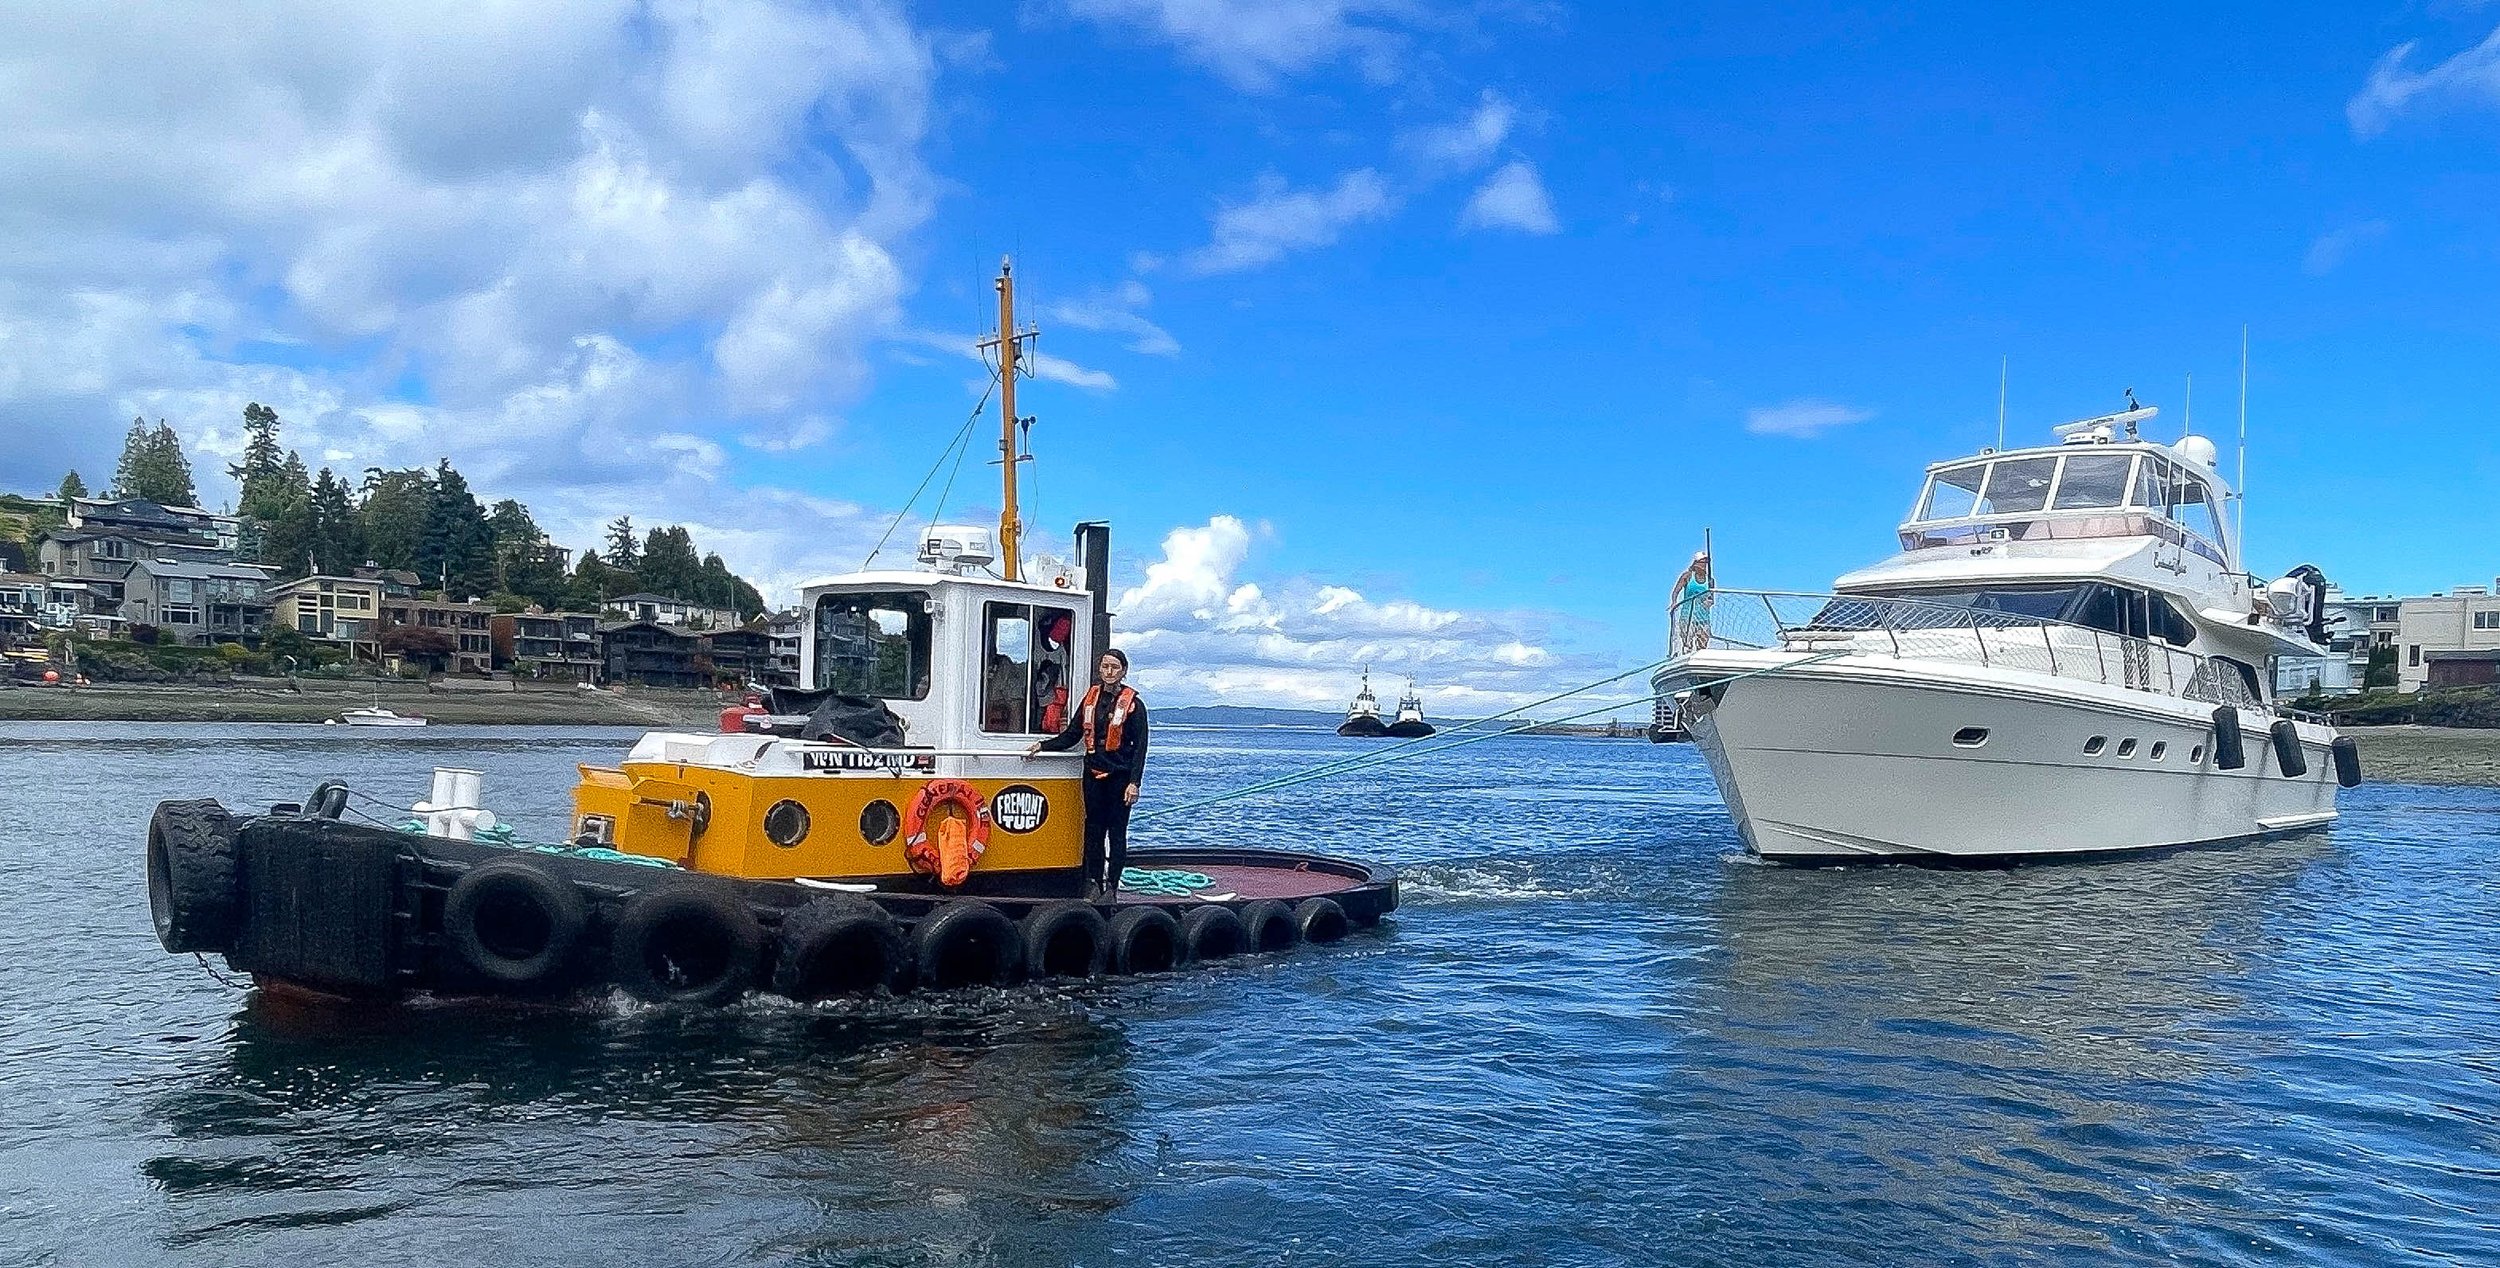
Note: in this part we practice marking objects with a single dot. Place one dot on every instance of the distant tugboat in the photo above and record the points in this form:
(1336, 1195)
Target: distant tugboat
(1410, 722)
(1362, 718)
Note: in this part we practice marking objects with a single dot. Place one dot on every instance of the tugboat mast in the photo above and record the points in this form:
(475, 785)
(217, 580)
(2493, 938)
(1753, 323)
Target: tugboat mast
(1010, 521)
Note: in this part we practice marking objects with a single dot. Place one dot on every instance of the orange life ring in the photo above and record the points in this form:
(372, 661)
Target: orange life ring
(960, 838)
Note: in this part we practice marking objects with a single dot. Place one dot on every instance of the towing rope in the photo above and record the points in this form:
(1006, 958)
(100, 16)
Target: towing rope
(1401, 752)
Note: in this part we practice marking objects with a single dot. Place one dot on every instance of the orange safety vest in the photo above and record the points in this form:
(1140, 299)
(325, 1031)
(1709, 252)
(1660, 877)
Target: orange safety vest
(1120, 707)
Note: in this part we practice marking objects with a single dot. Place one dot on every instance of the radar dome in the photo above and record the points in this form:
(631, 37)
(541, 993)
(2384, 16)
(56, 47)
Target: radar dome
(2196, 449)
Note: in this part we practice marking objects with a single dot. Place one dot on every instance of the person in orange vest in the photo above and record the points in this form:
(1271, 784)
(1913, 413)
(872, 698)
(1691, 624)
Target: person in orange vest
(1111, 725)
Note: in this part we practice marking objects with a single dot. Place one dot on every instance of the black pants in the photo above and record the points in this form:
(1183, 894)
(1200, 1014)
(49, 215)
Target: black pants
(1106, 830)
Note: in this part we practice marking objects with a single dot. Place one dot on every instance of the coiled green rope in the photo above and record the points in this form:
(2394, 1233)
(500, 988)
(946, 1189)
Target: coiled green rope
(1163, 882)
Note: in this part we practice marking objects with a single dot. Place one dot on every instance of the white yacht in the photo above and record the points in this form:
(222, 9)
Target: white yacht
(2064, 658)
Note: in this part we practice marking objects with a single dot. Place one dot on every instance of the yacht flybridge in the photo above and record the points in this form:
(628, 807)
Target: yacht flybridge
(2064, 657)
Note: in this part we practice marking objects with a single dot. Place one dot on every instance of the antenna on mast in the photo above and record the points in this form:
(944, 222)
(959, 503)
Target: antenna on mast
(2004, 365)
(1010, 516)
(2239, 533)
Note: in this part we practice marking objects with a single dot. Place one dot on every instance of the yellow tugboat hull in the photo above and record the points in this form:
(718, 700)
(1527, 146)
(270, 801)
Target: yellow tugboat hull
(730, 823)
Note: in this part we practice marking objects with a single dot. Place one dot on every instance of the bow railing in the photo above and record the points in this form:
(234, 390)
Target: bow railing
(1913, 629)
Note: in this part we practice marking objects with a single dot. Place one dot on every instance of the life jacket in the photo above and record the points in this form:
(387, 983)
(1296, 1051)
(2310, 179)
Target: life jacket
(1055, 710)
(1111, 740)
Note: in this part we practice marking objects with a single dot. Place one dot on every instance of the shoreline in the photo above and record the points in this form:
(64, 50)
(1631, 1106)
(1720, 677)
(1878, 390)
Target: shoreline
(319, 701)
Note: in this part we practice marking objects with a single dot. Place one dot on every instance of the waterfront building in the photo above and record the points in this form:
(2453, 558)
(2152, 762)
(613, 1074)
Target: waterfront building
(469, 626)
(785, 629)
(108, 515)
(197, 602)
(740, 656)
(651, 654)
(665, 610)
(21, 607)
(346, 611)
(2448, 639)
(550, 646)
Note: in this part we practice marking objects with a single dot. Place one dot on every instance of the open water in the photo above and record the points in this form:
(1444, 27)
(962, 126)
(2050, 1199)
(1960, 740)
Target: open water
(1594, 1035)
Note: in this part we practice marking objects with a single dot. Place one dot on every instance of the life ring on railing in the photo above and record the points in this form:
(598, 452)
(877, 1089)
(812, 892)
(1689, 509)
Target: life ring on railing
(948, 853)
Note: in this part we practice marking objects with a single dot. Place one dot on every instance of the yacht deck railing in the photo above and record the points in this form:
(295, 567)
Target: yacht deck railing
(1912, 629)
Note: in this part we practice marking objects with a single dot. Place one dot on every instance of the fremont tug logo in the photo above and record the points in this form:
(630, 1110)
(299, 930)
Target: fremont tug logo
(1019, 808)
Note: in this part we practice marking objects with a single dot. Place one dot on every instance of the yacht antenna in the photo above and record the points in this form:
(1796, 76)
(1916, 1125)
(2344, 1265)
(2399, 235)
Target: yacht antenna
(2004, 364)
(2240, 531)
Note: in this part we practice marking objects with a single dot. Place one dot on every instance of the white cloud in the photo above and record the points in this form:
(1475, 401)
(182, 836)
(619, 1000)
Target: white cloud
(1471, 142)
(2471, 78)
(1512, 198)
(1255, 44)
(1117, 312)
(1043, 365)
(2331, 249)
(1803, 420)
(603, 237)
(1281, 220)
(1202, 633)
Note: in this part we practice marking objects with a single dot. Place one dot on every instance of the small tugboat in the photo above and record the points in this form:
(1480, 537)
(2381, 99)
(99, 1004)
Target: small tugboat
(883, 830)
(1362, 718)
(1410, 724)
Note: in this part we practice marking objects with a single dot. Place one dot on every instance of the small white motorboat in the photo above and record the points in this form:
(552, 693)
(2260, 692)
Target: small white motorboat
(379, 716)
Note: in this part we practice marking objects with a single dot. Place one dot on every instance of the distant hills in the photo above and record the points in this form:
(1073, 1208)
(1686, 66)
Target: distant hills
(1245, 715)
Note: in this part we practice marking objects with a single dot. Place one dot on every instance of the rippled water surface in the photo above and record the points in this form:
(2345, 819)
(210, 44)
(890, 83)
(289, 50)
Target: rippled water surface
(1593, 1035)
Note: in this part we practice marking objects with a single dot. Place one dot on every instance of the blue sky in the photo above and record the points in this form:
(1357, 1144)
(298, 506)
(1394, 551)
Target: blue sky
(1429, 336)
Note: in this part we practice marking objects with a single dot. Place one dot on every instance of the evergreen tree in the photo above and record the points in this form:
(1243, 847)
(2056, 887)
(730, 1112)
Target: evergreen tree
(594, 583)
(338, 533)
(396, 508)
(289, 538)
(457, 550)
(621, 543)
(669, 565)
(72, 487)
(262, 463)
(523, 564)
(153, 466)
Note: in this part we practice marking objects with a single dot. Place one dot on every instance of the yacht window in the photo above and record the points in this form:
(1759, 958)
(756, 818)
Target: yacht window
(2152, 483)
(2095, 745)
(2102, 608)
(2196, 755)
(2169, 624)
(2159, 747)
(2019, 484)
(2126, 747)
(1953, 494)
(874, 644)
(2043, 602)
(2093, 480)
(1025, 668)
(2193, 508)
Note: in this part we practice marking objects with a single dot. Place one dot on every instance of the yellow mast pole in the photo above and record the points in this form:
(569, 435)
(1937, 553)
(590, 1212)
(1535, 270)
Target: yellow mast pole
(1009, 522)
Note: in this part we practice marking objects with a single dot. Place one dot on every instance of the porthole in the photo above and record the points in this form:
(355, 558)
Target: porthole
(2159, 747)
(785, 824)
(2095, 745)
(1971, 736)
(2126, 747)
(2196, 755)
(878, 822)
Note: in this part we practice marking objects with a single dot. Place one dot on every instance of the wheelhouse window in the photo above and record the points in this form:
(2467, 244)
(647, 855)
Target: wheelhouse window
(1028, 668)
(874, 644)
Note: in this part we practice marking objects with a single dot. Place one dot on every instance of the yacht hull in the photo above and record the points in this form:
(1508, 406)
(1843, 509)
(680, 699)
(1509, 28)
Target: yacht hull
(1860, 758)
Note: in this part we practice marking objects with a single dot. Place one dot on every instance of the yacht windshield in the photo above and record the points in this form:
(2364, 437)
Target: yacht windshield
(2019, 484)
(1953, 494)
(2093, 481)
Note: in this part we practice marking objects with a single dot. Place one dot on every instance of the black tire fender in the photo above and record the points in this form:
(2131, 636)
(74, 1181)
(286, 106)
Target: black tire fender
(514, 921)
(686, 944)
(2230, 748)
(840, 946)
(2288, 757)
(1066, 939)
(1145, 939)
(195, 891)
(1319, 921)
(1268, 925)
(2347, 755)
(1213, 932)
(966, 943)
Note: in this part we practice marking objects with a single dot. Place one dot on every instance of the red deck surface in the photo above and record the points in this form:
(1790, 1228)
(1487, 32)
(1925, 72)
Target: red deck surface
(1251, 882)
